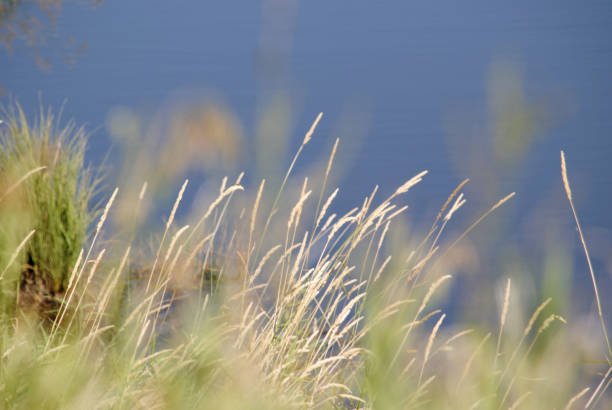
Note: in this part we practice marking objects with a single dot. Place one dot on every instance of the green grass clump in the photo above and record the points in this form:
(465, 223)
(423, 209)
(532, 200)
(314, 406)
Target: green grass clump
(43, 166)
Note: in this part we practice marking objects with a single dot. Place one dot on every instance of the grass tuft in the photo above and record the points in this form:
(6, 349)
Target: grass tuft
(46, 188)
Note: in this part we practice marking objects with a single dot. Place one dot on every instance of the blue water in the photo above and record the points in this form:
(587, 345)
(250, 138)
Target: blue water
(413, 77)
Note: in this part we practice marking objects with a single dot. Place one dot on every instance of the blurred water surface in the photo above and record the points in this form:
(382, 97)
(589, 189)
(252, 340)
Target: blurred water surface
(482, 90)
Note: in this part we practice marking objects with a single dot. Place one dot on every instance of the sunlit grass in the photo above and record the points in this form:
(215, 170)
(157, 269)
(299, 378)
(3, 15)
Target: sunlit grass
(47, 191)
(259, 299)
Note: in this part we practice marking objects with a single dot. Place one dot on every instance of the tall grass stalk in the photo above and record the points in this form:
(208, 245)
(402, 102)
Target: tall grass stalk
(568, 193)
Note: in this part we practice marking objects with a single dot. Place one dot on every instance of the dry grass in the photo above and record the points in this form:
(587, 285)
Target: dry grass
(304, 310)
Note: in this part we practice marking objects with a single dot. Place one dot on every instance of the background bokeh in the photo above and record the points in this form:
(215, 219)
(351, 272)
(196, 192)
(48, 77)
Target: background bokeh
(484, 91)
